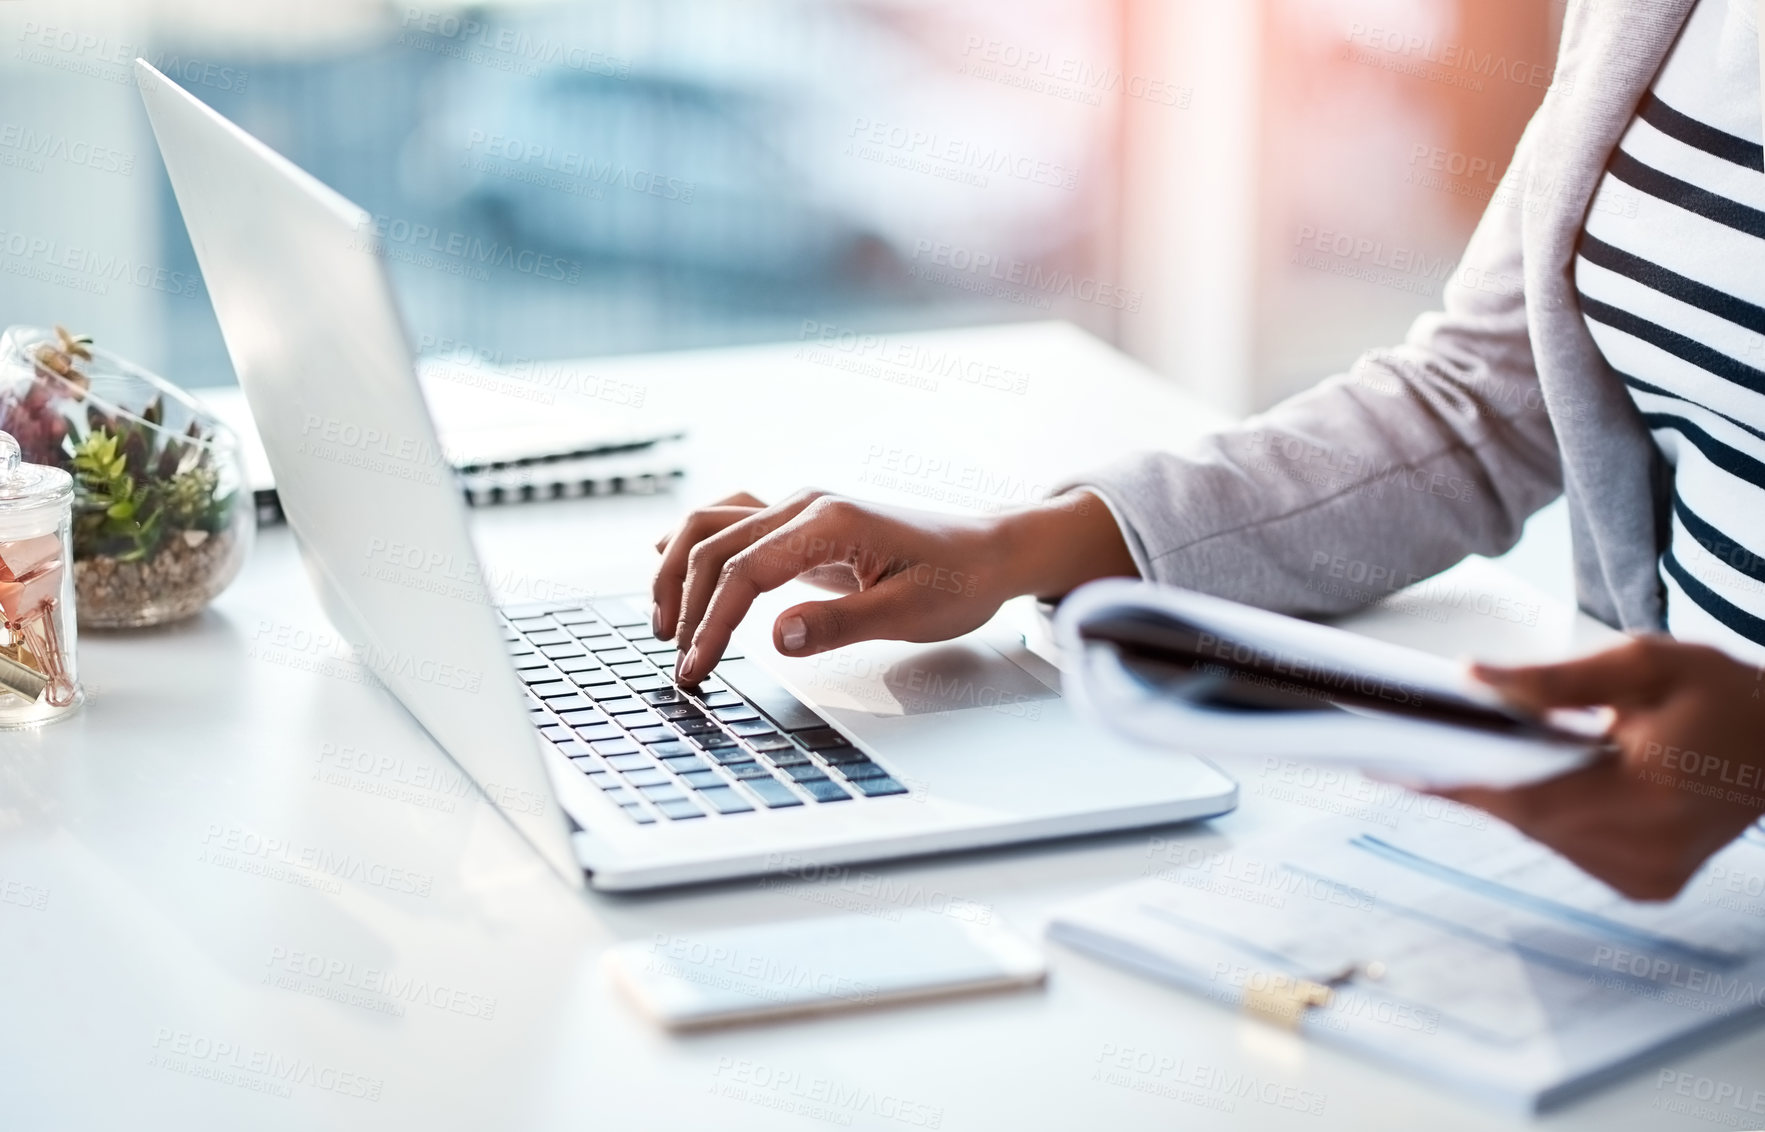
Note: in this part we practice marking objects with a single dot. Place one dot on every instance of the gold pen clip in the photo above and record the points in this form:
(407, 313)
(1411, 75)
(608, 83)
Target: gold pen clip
(1284, 999)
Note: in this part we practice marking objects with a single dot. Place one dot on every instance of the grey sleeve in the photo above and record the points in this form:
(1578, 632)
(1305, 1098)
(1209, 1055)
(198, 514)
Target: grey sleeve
(1419, 455)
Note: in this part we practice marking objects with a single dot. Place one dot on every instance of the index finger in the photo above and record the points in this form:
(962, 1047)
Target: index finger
(814, 538)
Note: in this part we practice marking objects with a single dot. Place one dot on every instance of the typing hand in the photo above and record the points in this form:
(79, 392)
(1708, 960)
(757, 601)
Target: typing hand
(1689, 725)
(908, 575)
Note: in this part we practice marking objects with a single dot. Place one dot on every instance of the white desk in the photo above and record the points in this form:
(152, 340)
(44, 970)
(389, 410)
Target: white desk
(133, 943)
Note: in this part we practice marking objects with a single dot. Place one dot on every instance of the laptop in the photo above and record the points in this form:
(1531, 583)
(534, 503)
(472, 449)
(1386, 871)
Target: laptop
(566, 713)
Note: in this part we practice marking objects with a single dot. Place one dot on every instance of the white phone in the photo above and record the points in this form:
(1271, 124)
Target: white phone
(689, 981)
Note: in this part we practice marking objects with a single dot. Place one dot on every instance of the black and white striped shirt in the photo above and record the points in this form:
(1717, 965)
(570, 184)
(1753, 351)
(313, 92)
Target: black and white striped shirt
(1673, 288)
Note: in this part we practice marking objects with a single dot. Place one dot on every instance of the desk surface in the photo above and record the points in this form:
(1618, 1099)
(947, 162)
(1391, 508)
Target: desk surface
(176, 959)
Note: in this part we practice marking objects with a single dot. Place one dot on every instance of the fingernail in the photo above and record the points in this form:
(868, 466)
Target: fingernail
(688, 666)
(793, 633)
(656, 619)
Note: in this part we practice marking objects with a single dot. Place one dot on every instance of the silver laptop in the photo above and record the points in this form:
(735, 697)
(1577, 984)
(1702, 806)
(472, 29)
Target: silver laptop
(566, 714)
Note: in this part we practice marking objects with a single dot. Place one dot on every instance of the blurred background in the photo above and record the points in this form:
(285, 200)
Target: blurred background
(1242, 194)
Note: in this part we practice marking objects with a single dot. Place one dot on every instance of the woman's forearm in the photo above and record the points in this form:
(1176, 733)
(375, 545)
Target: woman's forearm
(1051, 549)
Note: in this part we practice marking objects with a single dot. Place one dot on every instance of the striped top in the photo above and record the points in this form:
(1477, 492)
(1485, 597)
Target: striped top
(1671, 273)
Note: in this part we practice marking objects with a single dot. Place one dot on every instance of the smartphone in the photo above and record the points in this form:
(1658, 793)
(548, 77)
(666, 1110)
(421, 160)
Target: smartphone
(700, 979)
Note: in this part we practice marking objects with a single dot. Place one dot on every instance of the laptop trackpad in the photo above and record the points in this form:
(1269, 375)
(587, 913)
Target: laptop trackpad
(892, 678)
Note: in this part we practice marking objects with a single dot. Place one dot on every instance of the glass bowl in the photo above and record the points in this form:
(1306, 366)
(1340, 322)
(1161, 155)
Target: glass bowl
(163, 519)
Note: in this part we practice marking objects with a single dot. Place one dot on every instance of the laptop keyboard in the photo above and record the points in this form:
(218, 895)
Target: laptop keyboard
(600, 687)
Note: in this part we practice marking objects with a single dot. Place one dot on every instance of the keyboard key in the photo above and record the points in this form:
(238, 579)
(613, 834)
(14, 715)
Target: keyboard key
(672, 750)
(587, 717)
(775, 794)
(548, 637)
(719, 699)
(578, 664)
(619, 613)
(789, 757)
(665, 695)
(615, 747)
(543, 675)
(825, 790)
(822, 739)
(714, 740)
(844, 756)
(562, 652)
(807, 772)
(661, 791)
(576, 617)
(748, 770)
(736, 714)
(771, 743)
(556, 732)
(569, 703)
(655, 735)
(608, 692)
(630, 760)
(653, 646)
(684, 764)
(680, 810)
(753, 729)
(772, 698)
(593, 678)
(679, 711)
(531, 624)
(599, 732)
(640, 719)
(879, 787)
(552, 689)
(697, 727)
(726, 801)
(665, 659)
(611, 784)
(865, 769)
(648, 776)
(731, 756)
(538, 665)
(638, 814)
(573, 749)
(622, 707)
(700, 779)
(648, 684)
(623, 656)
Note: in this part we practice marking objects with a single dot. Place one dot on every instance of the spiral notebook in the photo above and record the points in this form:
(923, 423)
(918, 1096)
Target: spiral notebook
(503, 449)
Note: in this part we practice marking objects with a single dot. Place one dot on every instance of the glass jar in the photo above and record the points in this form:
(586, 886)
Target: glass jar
(38, 679)
(163, 513)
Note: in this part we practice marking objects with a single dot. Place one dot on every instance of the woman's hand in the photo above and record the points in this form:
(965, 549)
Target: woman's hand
(908, 575)
(1689, 725)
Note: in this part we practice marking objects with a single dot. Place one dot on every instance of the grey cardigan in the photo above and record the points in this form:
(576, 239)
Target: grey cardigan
(1441, 447)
